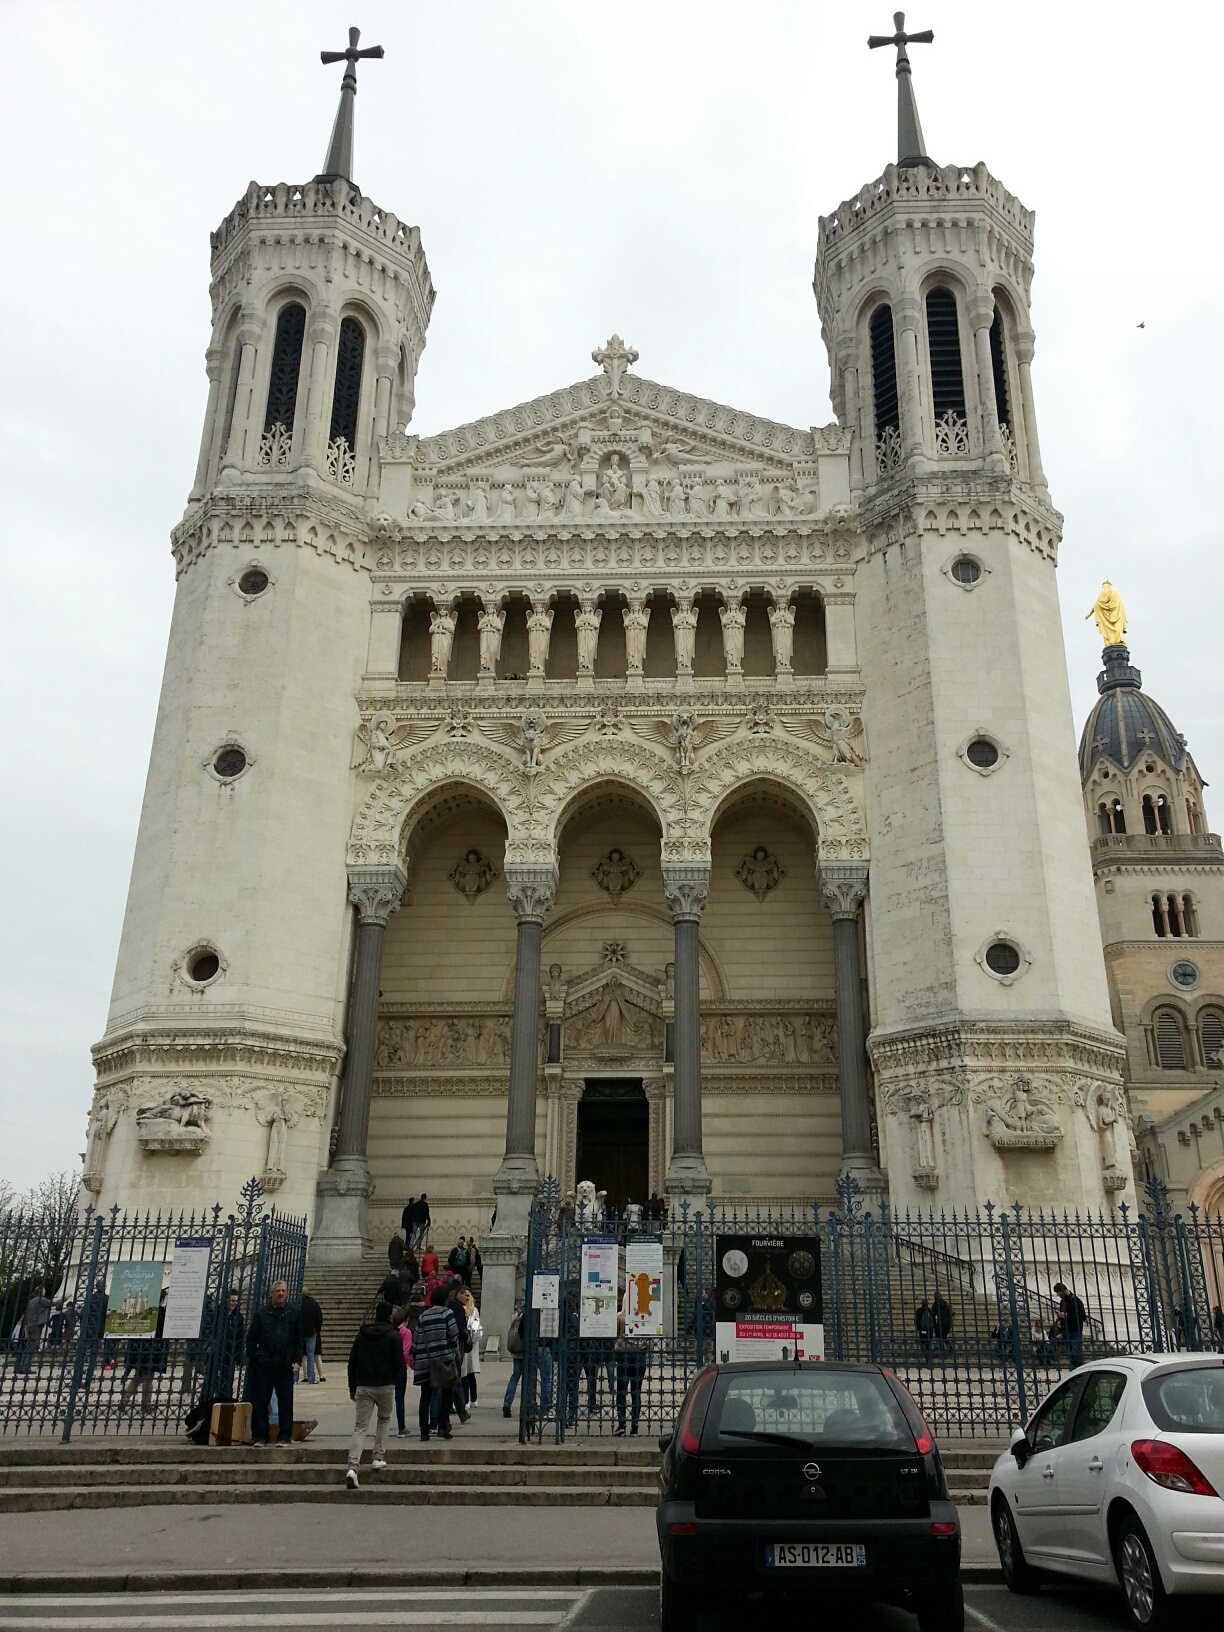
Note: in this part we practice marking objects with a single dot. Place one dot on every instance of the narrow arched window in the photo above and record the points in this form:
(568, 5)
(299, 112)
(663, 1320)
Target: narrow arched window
(1211, 1036)
(998, 361)
(350, 354)
(947, 377)
(286, 367)
(1159, 922)
(1189, 916)
(1164, 814)
(1103, 819)
(884, 390)
(1175, 918)
(1118, 817)
(1170, 1040)
(1149, 814)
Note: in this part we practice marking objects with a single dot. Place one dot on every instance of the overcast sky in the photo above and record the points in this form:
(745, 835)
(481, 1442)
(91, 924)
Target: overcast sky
(657, 169)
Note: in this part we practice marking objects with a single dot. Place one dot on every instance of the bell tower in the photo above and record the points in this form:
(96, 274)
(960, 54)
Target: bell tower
(992, 1039)
(235, 963)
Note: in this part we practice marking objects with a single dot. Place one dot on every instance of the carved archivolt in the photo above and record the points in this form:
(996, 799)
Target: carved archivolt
(396, 799)
(824, 793)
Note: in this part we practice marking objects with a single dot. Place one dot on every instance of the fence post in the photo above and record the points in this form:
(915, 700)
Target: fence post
(699, 1294)
(83, 1333)
(1013, 1317)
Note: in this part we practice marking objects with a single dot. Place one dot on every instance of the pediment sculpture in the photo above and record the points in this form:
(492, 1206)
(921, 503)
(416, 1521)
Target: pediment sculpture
(614, 1024)
(1022, 1119)
(179, 1125)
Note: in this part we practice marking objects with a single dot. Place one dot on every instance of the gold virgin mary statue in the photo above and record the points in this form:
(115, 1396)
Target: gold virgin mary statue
(1110, 615)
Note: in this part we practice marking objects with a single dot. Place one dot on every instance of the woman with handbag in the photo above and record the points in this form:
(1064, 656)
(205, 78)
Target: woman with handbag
(436, 1357)
(471, 1360)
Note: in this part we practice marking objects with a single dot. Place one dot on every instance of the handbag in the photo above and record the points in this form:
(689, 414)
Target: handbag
(443, 1374)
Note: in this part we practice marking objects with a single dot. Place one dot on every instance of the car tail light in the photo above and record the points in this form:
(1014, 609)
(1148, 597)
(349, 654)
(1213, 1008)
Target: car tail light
(682, 1529)
(694, 1417)
(941, 1529)
(918, 1427)
(1169, 1466)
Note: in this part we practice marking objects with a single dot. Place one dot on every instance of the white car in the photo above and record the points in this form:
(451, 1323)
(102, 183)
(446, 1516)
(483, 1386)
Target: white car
(1119, 1478)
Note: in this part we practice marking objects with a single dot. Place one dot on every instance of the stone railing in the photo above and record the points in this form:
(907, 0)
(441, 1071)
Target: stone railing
(1148, 846)
(924, 184)
(336, 200)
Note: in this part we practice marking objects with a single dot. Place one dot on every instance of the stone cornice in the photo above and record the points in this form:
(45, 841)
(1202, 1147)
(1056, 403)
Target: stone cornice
(188, 1047)
(951, 1042)
(958, 502)
(291, 508)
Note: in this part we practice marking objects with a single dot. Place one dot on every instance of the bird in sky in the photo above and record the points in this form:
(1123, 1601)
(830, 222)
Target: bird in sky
(1141, 325)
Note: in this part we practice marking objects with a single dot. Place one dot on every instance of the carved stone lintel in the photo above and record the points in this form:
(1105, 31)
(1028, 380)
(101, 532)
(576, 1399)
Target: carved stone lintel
(686, 888)
(532, 891)
(842, 888)
(376, 892)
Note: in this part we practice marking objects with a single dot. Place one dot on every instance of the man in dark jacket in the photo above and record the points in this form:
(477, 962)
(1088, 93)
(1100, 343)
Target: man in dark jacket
(312, 1330)
(375, 1361)
(274, 1348)
(1074, 1318)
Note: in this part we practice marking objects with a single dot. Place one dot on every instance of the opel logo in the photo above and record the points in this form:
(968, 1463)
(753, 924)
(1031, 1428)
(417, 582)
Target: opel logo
(811, 1470)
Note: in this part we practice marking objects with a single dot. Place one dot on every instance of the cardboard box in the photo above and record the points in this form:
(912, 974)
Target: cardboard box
(231, 1424)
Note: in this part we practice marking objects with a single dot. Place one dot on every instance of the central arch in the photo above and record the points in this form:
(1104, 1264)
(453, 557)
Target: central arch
(822, 793)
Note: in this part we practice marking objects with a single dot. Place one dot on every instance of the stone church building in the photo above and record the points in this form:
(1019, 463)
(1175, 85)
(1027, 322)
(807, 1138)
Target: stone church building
(628, 787)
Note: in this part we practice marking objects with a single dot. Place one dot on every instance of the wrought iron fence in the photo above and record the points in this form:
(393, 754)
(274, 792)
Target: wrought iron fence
(68, 1292)
(962, 1306)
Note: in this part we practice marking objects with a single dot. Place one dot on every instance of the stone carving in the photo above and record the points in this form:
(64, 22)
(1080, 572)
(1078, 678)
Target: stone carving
(376, 892)
(477, 505)
(842, 890)
(1109, 1120)
(613, 489)
(636, 617)
(615, 953)
(615, 873)
(473, 875)
(684, 726)
(441, 639)
(179, 1125)
(505, 505)
(686, 888)
(921, 1111)
(589, 1204)
(378, 741)
(277, 1110)
(732, 619)
(539, 629)
(573, 497)
(612, 1025)
(684, 623)
(533, 727)
(103, 1120)
(760, 1039)
(546, 500)
(1022, 1118)
(492, 620)
(760, 872)
(556, 986)
(586, 622)
(782, 630)
(442, 1040)
(677, 503)
(760, 719)
(531, 891)
(614, 357)
(842, 733)
(652, 499)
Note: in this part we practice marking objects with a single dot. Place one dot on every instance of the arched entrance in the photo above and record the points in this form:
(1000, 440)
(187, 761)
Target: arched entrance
(613, 1147)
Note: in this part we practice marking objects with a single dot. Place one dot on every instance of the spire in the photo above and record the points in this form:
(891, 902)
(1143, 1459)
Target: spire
(911, 149)
(339, 160)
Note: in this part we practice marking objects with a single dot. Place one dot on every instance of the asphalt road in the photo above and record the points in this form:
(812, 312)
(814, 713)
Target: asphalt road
(600, 1609)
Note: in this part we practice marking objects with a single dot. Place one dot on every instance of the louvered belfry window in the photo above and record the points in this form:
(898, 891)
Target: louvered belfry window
(943, 342)
(1211, 1030)
(998, 363)
(1170, 1040)
(884, 370)
(286, 366)
(350, 353)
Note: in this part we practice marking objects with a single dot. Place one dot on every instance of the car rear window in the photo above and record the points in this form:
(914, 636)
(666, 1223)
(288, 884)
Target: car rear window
(1190, 1399)
(824, 1407)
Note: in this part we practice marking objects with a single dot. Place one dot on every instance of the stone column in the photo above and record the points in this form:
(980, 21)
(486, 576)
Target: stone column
(344, 1190)
(242, 443)
(685, 889)
(532, 890)
(1024, 359)
(842, 888)
(907, 313)
(214, 364)
(321, 342)
(981, 316)
(847, 357)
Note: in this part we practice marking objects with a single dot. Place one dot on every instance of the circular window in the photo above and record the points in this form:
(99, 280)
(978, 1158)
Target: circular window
(965, 570)
(982, 753)
(204, 965)
(253, 581)
(1184, 974)
(1002, 958)
(229, 763)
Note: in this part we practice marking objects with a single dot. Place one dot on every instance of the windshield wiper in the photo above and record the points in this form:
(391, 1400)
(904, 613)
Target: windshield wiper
(768, 1439)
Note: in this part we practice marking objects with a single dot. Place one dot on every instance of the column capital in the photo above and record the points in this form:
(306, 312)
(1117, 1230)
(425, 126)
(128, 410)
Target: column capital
(531, 890)
(981, 308)
(686, 887)
(907, 312)
(842, 887)
(376, 892)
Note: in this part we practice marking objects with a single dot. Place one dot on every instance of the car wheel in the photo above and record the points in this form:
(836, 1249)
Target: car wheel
(677, 1609)
(1147, 1607)
(942, 1610)
(1018, 1573)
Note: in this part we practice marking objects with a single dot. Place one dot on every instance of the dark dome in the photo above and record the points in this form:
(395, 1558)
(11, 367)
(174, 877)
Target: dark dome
(1126, 724)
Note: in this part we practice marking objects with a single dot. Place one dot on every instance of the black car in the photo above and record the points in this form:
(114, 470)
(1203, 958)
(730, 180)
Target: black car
(802, 1481)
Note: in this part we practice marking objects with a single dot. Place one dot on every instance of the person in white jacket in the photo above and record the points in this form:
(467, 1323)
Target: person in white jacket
(471, 1360)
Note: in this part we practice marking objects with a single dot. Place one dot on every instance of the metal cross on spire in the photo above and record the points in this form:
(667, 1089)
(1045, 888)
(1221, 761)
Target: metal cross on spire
(911, 149)
(339, 160)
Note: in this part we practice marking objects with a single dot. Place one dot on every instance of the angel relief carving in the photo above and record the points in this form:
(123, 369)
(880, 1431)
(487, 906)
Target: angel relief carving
(1022, 1117)
(615, 873)
(842, 733)
(760, 872)
(472, 875)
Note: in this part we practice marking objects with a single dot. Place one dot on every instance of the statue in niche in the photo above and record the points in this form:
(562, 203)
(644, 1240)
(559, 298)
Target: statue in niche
(782, 626)
(669, 981)
(533, 740)
(103, 1120)
(652, 499)
(473, 875)
(491, 623)
(573, 497)
(636, 617)
(539, 629)
(1103, 1112)
(677, 505)
(684, 725)
(505, 504)
(684, 622)
(441, 639)
(556, 987)
(922, 1115)
(278, 1111)
(760, 872)
(613, 489)
(733, 619)
(477, 505)
(615, 873)
(181, 1123)
(547, 498)
(586, 623)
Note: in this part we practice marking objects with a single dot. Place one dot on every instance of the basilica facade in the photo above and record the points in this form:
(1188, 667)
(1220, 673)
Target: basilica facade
(621, 786)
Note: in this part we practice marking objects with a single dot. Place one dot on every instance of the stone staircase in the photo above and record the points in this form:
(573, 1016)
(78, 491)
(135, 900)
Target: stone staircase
(346, 1294)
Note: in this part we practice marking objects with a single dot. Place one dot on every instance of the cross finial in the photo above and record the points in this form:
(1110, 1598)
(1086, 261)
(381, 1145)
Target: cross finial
(911, 149)
(614, 358)
(339, 160)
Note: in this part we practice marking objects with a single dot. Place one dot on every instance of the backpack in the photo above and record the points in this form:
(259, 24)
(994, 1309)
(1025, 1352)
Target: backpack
(514, 1337)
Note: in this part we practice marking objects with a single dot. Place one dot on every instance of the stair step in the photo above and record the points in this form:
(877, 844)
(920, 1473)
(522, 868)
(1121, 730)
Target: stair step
(310, 1474)
(374, 1489)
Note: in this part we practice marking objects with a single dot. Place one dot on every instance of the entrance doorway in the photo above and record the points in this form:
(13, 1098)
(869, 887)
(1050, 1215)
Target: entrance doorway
(614, 1139)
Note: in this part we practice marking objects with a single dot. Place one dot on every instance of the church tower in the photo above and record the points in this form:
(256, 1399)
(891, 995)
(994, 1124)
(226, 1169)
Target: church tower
(224, 1039)
(992, 1042)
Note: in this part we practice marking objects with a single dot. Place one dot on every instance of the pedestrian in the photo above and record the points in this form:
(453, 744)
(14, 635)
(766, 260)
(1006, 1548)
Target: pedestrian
(312, 1329)
(436, 1358)
(1074, 1318)
(375, 1361)
(410, 1269)
(632, 1357)
(395, 1253)
(274, 1347)
(924, 1324)
(454, 1291)
(408, 1219)
(475, 1262)
(95, 1325)
(470, 1369)
(942, 1311)
(232, 1345)
(544, 1366)
(34, 1323)
(401, 1380)
(457, 1260)
(145, 1359)
(430, 1268)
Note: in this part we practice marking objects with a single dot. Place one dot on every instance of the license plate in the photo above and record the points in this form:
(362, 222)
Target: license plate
(816, 1555)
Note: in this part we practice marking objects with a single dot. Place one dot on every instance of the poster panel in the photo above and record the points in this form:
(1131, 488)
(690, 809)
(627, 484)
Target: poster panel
(135, 1289)
(598, 1303)
(188, 1287)
(546, 1297)
(767, 1298)
(644, 1275)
